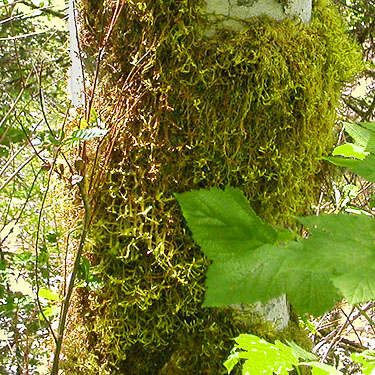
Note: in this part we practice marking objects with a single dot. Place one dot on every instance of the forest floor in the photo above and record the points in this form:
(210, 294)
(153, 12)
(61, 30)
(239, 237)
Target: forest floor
(343, 331)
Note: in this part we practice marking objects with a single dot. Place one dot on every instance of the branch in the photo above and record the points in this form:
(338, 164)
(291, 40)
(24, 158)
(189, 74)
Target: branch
(65, 308)
(45, 10)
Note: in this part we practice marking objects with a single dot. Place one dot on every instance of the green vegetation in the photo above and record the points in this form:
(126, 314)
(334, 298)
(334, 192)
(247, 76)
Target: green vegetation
(253, 262)
(262, 357)
(252, 110)
(33, 63)
(96, 258)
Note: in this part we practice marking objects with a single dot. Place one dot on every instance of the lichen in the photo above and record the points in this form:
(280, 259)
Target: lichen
(252, 109)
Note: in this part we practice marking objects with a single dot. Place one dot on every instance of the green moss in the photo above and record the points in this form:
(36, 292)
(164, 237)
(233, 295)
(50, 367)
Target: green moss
(284, 3)
(253, 110)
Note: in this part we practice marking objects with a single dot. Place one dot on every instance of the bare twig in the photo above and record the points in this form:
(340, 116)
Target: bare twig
(86, 204)
(46, 9)
(37, 253)
(11, 109)
(17, 171)
(22, 209)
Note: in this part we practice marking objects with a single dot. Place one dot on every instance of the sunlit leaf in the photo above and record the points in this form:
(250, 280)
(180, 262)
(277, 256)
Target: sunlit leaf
(350, 150)
(249, 266)
(84, 135)
(262, 357)
(48, 294)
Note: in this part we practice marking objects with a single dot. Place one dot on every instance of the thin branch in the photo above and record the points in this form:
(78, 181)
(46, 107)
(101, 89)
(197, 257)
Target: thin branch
(351, 325)
(22, 36)
(18, 170)
(46, 10)
(41, 97)
(9, 161)
(13, 106)
(22, 209)
(87, 208)
(37, 252)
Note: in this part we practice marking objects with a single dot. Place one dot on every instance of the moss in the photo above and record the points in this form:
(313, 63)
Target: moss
(253, 110)
(284, 3)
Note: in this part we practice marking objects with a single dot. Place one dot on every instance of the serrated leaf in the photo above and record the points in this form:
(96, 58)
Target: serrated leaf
(246, 267)
(222, 232)
(361, 133)
(357, 286)
(311, 292)
(246, 277)
(346, 248)
(334, 262)
(263, 357)
(301, 353)
(366, 168)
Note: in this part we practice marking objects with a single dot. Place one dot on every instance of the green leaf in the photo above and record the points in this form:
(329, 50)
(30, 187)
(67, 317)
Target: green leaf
(84, 135)
(263, 357)
(361, 133)
(322, 369)
(345, 247)
(342, 162)
(93, 116)
(301, 353)
(220, 222)
(48, 294)
(367, 359)
(366, 168)
(372, 201)
(52, 310)
(53, 236)
(231, 361)
(84, 269)
(357, 286)
(247, 266)
(350, 150)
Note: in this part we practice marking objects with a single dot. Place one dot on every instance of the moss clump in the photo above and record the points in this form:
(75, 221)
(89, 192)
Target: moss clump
(253, 110)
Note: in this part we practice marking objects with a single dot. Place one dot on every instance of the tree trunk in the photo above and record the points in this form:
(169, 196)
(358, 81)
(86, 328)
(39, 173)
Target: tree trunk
(192, 102)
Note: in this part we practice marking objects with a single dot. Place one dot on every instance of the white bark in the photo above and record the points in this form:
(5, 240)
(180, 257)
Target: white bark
(76, 86)
(245, 9)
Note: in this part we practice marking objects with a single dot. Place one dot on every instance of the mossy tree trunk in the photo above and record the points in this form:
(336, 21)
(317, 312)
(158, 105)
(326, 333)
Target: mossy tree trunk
(189, 108)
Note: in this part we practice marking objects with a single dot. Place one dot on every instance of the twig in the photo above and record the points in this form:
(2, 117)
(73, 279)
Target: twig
(46, 9)
(82, 189)
(9, 161)
(363, 313)
(14, 105)
(37, 253)
(351, 324)
(18, 170)
(337, 337)
(21, 212)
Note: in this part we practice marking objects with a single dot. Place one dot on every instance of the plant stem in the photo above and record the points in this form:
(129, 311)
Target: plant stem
(65, 308)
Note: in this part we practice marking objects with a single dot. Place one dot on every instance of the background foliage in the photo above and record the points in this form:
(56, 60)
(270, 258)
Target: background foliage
(33, 103)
